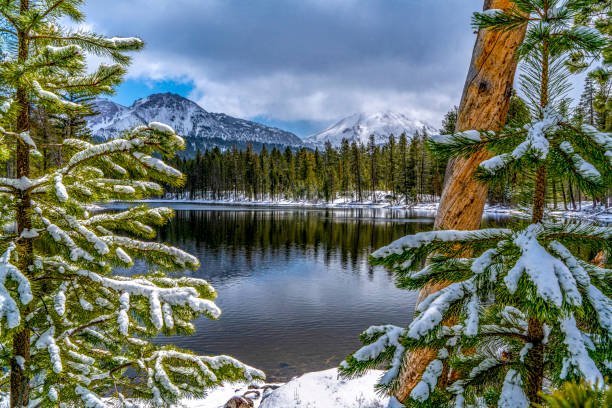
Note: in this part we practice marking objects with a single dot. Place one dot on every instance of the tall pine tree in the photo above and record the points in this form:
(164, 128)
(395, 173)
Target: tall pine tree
(526, 305)
(70, 326)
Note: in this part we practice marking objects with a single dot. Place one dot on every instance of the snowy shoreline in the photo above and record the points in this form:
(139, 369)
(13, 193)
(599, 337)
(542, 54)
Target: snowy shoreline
(321, 389)
(599, 214)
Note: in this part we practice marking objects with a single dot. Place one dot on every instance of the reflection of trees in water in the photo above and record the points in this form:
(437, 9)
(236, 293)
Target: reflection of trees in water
(252, 234)
(347, 237)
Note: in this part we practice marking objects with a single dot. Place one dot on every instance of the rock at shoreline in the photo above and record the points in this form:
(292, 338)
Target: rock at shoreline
(240, 402)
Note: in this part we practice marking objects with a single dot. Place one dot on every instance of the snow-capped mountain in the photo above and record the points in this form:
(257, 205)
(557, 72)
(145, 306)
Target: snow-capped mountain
(360, 126)
(201, 129)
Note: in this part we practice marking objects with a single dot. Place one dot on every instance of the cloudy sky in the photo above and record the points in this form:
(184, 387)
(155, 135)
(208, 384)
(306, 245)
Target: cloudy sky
(297, 64)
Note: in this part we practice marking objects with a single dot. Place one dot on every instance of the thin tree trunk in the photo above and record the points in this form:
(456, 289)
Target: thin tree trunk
(534, 360)
(20, 382)
(564, 196)
(484, 104)
(571, 195)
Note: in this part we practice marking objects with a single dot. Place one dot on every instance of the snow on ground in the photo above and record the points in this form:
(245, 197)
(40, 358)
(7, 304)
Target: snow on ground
(586, 211)
(322, 389)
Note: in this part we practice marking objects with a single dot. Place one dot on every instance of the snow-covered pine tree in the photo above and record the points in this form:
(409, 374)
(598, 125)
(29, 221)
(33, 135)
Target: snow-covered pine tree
(70, 327)
(525, 309)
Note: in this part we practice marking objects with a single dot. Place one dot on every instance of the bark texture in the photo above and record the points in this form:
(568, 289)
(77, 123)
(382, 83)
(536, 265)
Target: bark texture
(20, 381)
(484, 105)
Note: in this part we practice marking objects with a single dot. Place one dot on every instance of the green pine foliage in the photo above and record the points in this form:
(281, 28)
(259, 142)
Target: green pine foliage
(405, 170)
(70, 328)
(513, 311)
(578, 395)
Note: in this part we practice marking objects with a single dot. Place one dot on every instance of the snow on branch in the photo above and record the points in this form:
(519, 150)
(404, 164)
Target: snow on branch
(167, 368)
(143, 137)
(90, 399)
(20, 184)
(51, 97)
(60, 189)
(601, 303)
(548, 274)
(604, 140)
(179, 256)
(6, 106)
(64, 51)
(513, 394)
(387, 337)
(59, 235)
(157, 165)
(585, 169)
(430, 377)
(116, 145)
(8, 306)
(424, 238)
(174, 296)
(432, 309)
(25, 138)
(47, 341)
(124, 43)
(468, 135)
(535, 142)
(578, 354)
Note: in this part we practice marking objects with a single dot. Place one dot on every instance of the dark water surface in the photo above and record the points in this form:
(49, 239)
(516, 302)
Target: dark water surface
(295, 286)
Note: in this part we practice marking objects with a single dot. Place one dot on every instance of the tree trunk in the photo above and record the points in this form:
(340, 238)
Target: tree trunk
(20, 381)
(564, 196)
(571, 194)
(484, 104)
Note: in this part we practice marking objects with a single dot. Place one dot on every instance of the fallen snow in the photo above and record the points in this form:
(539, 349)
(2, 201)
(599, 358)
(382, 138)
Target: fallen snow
(512, 395)
(322, 389)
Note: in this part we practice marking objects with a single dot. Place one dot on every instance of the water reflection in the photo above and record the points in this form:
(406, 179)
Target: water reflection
(295, 286)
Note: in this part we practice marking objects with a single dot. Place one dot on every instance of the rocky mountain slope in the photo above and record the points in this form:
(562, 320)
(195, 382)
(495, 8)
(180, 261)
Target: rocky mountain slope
(201, 129)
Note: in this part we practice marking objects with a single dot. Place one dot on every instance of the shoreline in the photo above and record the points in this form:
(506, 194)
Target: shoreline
(599, 214)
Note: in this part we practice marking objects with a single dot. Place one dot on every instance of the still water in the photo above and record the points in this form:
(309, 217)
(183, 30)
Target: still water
(294, 285)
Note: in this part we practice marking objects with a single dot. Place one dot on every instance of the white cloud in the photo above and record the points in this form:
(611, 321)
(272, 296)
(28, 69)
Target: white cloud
(313, 60)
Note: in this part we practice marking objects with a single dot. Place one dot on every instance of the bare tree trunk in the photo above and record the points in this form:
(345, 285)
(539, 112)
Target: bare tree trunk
(564, 196)
(484, 104)
(571, 194)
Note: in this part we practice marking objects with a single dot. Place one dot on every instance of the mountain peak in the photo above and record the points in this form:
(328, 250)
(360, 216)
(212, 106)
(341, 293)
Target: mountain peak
(164, 99)
(200, 128)
(359, 126)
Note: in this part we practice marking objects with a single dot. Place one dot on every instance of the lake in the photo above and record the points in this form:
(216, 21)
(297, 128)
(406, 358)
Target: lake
(294, 285)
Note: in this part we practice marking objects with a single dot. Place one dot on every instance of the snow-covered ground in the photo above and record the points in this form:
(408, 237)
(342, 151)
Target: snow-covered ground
(586, 212)
(321, 389)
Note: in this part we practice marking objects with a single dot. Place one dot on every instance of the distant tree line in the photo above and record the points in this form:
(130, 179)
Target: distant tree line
(400, 170)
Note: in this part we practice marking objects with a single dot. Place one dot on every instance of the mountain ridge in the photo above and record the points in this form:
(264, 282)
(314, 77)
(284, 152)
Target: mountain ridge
(200, 128)
(204, 130)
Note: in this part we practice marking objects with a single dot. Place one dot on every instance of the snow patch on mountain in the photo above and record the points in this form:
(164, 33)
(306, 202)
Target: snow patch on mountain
(360, 126)
(189, 120)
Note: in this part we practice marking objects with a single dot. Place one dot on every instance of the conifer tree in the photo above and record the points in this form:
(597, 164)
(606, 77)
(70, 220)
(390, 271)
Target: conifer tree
(526, 305)
(357, 168)
(70, 327)
(405, 172)
(391, 165)
(373, 151)
(449, 122)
